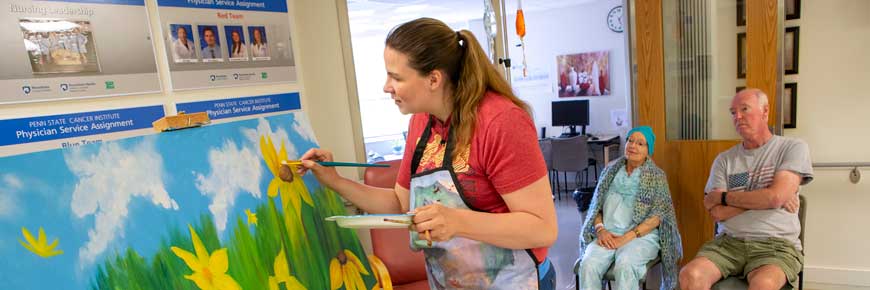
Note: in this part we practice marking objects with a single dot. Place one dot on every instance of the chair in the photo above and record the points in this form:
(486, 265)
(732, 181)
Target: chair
(735, 283)
(407, 268)
(570, 154)
(547, 150)
(610, 276)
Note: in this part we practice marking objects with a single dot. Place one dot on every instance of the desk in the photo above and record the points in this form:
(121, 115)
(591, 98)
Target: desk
(607, 143)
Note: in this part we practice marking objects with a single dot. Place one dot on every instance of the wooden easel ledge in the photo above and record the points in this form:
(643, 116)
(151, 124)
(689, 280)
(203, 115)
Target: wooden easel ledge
(181, 121)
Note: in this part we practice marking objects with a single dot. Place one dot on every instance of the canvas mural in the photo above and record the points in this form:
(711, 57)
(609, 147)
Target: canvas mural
(584, 74)
(193, 209)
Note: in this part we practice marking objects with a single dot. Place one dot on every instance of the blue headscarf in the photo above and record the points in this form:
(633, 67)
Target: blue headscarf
(648, 133)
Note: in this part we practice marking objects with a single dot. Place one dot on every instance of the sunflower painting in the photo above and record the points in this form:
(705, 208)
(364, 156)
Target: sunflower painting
(198, 209)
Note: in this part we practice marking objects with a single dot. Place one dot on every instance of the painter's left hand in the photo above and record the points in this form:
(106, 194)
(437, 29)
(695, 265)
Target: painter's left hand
(436, 218)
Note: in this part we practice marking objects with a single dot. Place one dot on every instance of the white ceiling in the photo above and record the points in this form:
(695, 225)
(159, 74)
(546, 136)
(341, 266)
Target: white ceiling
(376, 17)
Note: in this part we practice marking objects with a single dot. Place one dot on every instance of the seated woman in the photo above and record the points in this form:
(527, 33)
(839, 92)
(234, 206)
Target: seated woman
(630, 220)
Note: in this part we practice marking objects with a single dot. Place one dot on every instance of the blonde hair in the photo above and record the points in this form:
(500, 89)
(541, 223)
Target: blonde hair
(431, 45)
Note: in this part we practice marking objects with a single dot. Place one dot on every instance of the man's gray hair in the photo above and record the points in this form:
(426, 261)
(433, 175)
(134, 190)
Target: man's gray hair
(762, 98)
(759, 95)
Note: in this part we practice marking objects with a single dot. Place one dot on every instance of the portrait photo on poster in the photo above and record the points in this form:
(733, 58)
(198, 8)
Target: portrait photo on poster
(59, 45)
(210, 43)
(183, 49)
(584, 74)
(236, 48)
(259, 43)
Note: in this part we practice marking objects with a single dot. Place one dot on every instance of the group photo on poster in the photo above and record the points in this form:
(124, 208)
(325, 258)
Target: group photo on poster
(584, 74)
(236, 43)
(183, 49)
(59, 45)
(259, 44)
(210, 43)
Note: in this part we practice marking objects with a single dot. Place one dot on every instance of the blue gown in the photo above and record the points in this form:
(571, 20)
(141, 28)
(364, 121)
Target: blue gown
(630, 259)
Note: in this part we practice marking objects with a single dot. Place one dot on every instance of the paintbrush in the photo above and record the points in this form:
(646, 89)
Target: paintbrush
(336, 164)
(428, 235)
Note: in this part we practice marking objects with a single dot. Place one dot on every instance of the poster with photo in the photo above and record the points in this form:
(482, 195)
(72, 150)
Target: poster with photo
(238, 43)
(584, 74)
(209, 43)
(237, 48)
(59, 45)
(182, 48)
(259, 43)
(70, 49)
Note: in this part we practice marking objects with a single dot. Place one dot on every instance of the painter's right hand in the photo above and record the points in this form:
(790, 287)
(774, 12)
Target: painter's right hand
(309, 160)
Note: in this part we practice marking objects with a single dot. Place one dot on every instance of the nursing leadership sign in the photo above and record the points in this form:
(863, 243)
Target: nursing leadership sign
(69, 49)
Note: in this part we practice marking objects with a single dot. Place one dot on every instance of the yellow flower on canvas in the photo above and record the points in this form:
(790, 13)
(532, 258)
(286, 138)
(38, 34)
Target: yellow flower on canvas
(209, 270)
(252, 217)
(282, 275)
(39, 246)
(293, 192)
(382, 275)
(346, 269)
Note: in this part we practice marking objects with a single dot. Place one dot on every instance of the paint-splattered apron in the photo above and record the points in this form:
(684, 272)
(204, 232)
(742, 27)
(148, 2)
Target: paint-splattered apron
(462, 263)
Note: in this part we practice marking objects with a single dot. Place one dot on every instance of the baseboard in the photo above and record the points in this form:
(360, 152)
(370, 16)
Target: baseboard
(837, 275)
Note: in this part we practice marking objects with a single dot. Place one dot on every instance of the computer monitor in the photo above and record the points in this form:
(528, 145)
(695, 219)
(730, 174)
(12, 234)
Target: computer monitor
(571, 114)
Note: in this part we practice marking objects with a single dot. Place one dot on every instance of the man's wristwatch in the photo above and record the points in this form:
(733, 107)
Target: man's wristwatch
(724, 198)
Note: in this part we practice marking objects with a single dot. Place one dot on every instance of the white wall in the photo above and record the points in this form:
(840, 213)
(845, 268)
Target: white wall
(569, 30)
(833, 104)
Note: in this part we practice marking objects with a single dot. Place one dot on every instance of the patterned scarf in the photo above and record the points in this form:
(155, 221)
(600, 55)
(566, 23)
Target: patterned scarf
(653, 198)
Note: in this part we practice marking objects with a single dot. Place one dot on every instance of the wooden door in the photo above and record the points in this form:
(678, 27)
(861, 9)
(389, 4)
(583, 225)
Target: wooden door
(687, 163)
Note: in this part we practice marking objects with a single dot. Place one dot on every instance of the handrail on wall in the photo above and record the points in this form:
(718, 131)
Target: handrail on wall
(854, 174)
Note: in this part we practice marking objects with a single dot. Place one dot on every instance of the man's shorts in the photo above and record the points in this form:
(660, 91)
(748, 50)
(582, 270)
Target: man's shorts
(739, 257)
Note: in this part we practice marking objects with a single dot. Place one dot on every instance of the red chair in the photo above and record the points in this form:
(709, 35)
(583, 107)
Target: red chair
(407, 268)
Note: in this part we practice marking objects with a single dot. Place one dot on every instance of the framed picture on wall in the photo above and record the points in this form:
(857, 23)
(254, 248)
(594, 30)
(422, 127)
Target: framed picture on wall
(792, 9)
(584, 74)
(790, 50)
(741, 55)
(741, 13)
(789, 106)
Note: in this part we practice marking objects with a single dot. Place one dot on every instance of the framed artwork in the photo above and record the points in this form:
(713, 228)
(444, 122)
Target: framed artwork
(741, 55)
(584, 74)
(789, 106)
(741, 13)
(790, 50)
(792, 9)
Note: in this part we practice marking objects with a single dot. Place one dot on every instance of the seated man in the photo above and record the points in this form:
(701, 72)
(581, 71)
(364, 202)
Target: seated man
(752, 193)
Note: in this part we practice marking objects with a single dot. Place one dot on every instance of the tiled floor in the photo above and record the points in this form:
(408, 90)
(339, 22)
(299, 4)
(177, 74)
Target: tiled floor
(565, 251)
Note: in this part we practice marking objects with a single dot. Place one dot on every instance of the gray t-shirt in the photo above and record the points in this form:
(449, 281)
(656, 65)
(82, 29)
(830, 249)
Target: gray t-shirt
(739, 169)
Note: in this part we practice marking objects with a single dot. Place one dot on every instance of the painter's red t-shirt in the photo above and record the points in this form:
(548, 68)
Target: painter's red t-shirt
(504, 155)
